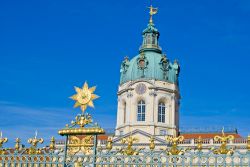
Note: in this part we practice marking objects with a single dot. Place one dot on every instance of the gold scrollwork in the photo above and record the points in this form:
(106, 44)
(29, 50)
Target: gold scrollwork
(77, 145)
(129, 150)
(223, 148)
(174, 149)
(82, 120)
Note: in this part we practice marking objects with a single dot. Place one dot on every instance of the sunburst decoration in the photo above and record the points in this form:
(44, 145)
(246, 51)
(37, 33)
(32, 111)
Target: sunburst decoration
(84, 97)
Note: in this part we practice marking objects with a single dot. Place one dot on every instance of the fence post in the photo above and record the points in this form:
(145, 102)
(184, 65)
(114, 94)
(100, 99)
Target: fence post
(95, 150)
(65, 151)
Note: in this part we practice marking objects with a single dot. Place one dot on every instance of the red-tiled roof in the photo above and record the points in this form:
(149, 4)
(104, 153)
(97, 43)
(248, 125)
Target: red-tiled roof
(207, 135)
(186, 136)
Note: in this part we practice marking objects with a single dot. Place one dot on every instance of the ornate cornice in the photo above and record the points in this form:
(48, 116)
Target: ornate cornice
(164, 89)
(124, 90)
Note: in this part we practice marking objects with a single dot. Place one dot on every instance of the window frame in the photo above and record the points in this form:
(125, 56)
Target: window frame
(141, 111)
(162, 112)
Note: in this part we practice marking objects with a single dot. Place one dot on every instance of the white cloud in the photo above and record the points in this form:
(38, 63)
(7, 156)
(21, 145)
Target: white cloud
(18, 121)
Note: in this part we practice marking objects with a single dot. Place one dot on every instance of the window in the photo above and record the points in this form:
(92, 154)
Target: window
(163, 132)
(148, 39)
(161, 112)
(141, 111)
(153, 40)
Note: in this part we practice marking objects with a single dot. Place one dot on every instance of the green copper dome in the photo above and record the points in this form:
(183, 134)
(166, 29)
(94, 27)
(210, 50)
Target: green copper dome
(150, 64)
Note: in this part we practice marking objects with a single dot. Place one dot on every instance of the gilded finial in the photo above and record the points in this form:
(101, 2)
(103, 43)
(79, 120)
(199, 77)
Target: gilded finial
(52, 145)
(129, 150)
(152, 143)
(109, 143)
(199, 143)
(34, 141)
(223, 139)
(174, 141)
(2, 140)
(84, 97)
(17, 145)
(152, 11)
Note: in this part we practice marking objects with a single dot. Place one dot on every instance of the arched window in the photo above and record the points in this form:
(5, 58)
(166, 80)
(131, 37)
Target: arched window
(153, 40)
(141, 111)
(148, 39)
(161, 112)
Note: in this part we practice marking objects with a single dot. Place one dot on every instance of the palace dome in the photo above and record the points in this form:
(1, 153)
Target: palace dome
(150, 64)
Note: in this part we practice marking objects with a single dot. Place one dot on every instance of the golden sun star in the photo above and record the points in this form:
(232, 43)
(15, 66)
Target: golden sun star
(84, 97)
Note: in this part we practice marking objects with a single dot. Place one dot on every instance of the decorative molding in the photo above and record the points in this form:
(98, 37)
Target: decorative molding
(129, 94)
(137, 131)
(124, 90)
(141, 80)
(152, 93)
(156, 125)
(164, 89)
(141, 88)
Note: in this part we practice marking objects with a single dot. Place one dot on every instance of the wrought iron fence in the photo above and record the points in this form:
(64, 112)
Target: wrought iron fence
(104, 158)
(80, 148)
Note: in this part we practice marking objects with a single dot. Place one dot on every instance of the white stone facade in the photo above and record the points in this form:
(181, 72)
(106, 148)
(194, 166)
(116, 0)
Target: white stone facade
(153, 93)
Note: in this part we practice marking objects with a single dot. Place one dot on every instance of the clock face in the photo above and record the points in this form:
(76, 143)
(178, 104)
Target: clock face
(140, 89)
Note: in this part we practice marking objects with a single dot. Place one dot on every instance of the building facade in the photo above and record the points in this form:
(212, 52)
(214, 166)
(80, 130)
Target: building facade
(148, 95)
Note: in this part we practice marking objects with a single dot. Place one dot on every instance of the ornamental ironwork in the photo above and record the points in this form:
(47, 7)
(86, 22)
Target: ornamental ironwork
(80, 149)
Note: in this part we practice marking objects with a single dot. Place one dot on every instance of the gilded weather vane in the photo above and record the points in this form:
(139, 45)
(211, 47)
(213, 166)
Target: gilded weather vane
(152, 11)
(84, 97)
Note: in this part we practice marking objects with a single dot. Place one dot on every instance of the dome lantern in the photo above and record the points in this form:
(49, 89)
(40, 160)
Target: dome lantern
(151, 35)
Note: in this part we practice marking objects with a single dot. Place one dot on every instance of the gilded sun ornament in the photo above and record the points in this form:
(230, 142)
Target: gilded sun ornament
(84, 97)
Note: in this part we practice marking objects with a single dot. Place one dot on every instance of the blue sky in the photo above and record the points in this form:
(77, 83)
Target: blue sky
(47, 47)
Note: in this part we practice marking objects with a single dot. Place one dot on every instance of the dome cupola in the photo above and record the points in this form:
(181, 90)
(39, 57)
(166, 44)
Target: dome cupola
(150, 64)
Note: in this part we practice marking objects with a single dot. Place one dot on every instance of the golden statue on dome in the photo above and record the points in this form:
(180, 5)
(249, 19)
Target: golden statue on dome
(84, 97)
